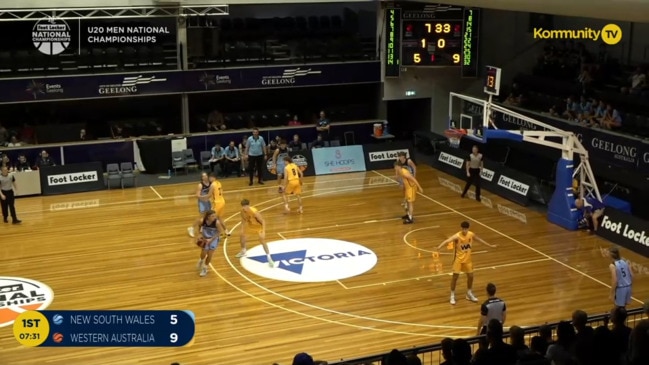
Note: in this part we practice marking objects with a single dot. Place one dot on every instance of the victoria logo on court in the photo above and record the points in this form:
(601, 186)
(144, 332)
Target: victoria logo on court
(51, 36)
(19, 295)
(310, 260)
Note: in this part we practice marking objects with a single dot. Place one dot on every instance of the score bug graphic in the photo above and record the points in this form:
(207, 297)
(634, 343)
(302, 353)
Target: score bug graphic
(105, 328)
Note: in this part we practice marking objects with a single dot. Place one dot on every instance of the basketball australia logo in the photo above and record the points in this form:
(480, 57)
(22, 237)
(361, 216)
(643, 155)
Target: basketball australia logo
(18, 295)
(51, 36)
(310, 260)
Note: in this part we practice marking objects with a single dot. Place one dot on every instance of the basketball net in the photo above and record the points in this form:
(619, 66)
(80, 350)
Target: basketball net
(454, 136)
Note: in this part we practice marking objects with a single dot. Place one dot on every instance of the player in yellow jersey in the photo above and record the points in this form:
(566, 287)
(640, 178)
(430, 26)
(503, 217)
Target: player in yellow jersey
(217, 201)
(253, 223)
(462, 244)
(410, 188)
(292, 183)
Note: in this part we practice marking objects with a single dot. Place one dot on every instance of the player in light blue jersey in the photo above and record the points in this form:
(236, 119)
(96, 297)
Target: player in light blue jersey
(621, 279)
(210, 228)
(202, 195)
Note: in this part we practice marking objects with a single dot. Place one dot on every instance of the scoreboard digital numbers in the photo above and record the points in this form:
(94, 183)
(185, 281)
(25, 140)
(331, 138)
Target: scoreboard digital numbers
(104, 328)
(440, 35)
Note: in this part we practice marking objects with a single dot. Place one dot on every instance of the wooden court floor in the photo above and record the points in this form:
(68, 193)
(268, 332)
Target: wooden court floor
(129, 249)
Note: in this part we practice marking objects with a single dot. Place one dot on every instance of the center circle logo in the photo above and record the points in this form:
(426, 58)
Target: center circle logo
(310, 260)
(18, 295)
(51, 36)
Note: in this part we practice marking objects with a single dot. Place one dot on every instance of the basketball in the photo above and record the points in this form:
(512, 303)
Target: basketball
(201, 242)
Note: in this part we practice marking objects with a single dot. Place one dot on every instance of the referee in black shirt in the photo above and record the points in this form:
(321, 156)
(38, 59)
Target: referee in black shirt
(492, 308)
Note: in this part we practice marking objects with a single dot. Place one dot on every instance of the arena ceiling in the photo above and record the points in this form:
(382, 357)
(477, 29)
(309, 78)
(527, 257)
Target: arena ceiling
(620, 10)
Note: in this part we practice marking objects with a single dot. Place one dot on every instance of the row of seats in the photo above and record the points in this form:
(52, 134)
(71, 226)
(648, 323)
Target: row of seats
(88, 60)
(278, 118)
(120, 173)
(627, 103)
(302, 39)
(631, 123)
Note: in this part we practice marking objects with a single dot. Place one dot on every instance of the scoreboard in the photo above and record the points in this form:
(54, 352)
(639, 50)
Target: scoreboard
(428, 35)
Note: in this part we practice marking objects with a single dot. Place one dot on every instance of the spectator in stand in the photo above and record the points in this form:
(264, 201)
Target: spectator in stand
(323, 126)
(303, 358)
(413, 359)
(44, 160)
(598, 113)
(231, 162)
(603, 351)
(611, 119)
(5, 161)
(638, 82)
(215, 121)
(461, 352)
(499, 352)
(572, 108)
(14, 142)
(447, 351)
(638, 353)
(492, 308)
(512, 100)
(83, 136)
(517, 340)
(585, 79)
(272, 146)
(584, 110)
(562, 351)
(22, 164)
(584, 337)
(295, 144)
(318, 143)
(4, 135)
(545, 332)
(294, 121)
(620, 332)
(395, 357)
(536, 355)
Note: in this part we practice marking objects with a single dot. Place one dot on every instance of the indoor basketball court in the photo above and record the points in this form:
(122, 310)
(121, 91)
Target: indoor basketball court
(350, 279)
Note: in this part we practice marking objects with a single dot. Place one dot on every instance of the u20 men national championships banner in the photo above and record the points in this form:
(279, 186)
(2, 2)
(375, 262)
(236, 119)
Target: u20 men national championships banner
(194, 81)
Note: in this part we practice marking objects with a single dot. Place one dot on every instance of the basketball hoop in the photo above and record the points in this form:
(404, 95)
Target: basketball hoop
(454, 136)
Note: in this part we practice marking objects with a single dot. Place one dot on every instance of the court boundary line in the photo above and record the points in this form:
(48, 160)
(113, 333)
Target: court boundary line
(432, 251)
(513, 239)
(312, 306)
(495, 267)
(156, 192)
(358, 223)
(139, 201)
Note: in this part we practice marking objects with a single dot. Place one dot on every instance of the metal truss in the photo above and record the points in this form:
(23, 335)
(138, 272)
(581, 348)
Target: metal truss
(12, 15)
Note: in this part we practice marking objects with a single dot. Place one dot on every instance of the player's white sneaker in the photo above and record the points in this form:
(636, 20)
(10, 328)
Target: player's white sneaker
(453, 299)
(241, 254)
(300, 210)
(471, 297)
(190, 230)
(271, 263)
(204, 271)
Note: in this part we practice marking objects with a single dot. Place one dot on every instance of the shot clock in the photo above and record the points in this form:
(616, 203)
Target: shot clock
(492, 80)
(104, 328)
